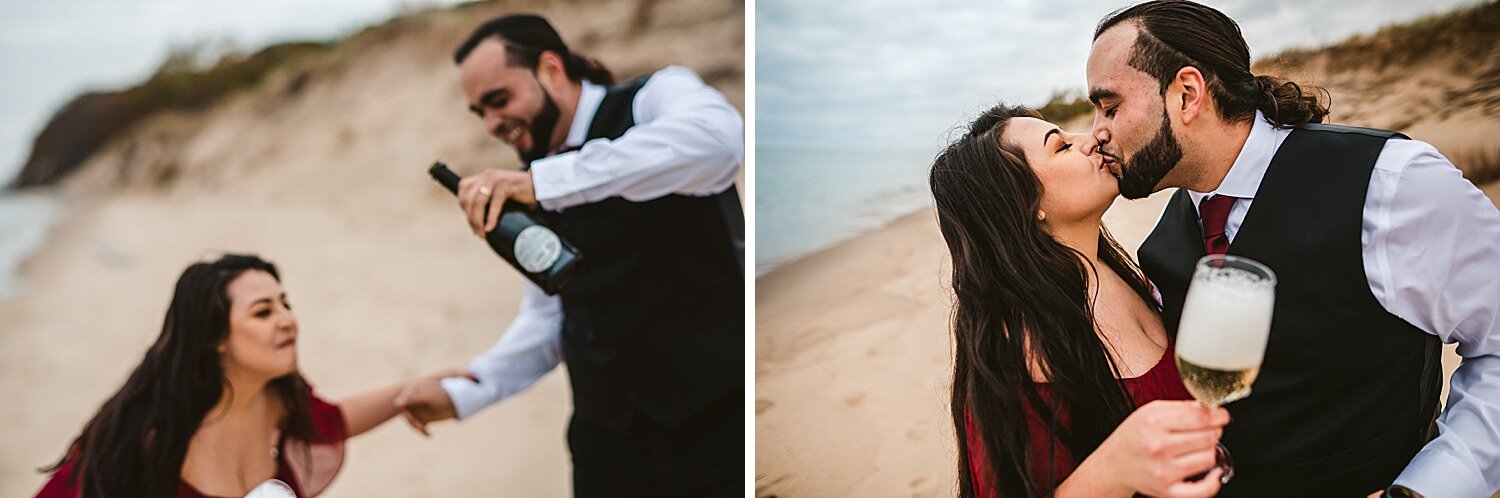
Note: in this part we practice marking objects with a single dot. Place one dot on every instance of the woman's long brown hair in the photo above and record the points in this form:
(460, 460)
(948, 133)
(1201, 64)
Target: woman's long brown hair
(1021, 296)
(136, 444)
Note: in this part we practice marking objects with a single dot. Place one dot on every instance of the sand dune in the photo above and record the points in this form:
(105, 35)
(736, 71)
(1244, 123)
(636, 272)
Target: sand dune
(322, 169)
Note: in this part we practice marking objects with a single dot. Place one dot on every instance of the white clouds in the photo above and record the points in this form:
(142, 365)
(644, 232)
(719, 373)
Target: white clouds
(900, 75)
(63, 47)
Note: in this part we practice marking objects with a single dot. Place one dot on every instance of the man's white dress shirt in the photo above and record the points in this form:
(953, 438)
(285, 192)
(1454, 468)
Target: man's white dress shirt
(1431, 248)
(687, 140)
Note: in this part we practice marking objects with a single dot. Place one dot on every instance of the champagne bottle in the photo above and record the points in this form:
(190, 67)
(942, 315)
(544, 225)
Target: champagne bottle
(523, 241)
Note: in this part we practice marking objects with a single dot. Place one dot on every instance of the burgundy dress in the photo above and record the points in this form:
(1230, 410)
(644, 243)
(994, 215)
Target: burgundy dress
(307, 466)
(1160, 382)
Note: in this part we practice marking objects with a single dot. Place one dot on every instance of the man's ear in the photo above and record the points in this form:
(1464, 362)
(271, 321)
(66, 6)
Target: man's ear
(550, 70)
(1194, 96)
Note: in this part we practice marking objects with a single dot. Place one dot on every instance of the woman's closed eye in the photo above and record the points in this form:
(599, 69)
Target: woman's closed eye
(1056, 134)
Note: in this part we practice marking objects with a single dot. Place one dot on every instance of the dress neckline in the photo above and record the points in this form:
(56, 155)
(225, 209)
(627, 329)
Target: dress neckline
(1166, 355)
(276, 451)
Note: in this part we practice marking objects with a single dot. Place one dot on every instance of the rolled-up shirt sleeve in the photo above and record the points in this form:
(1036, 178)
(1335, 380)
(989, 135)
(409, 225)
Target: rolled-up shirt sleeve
(529, 348)
(1436, 264)
(687, 140)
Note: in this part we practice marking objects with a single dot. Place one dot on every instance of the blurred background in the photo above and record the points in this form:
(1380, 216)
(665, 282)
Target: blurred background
(853, 101)
(138, 137)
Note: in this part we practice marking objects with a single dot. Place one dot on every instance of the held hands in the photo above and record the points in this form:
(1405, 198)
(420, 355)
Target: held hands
(1163, 443)
(422, 400)
(492, 187)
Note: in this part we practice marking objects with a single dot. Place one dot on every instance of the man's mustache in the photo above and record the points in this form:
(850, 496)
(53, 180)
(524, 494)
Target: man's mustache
(1107, 154)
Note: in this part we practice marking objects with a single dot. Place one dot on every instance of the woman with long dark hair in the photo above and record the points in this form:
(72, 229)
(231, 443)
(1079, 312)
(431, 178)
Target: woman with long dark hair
(217, 406)
(1063, 380)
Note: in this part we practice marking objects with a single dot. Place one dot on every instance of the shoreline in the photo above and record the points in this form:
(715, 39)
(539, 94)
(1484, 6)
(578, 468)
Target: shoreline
(853, 358)
(1125, 219)
(27, 232)
(853, 361)
(848, 368)
(835, 244)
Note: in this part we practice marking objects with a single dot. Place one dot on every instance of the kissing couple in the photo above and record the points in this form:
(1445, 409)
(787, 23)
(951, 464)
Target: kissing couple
(1064, 379)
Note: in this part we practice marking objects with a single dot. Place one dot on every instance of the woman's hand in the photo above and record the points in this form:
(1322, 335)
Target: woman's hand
(369, 409)
(1154, 450)
(422, 399)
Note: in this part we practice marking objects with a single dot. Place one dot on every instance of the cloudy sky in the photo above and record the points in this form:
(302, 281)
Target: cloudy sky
(857, 74)
(53, 50)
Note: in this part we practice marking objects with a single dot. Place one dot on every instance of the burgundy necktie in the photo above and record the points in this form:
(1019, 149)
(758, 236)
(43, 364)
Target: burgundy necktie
(1215, 212)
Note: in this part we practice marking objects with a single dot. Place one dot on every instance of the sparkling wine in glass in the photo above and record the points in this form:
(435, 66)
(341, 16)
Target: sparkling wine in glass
(1221, 339)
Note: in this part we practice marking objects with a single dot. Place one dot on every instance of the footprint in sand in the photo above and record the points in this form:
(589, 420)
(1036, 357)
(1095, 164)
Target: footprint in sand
(854, 399)
(763, 405)
(915, 434)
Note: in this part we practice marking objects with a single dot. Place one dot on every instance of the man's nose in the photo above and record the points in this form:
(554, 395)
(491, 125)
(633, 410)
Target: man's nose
(1101, 132)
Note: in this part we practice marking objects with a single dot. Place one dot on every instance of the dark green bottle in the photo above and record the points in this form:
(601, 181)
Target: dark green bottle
(523, 241)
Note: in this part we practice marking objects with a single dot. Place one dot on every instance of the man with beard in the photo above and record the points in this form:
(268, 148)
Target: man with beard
(1381, 249)
(640, 177)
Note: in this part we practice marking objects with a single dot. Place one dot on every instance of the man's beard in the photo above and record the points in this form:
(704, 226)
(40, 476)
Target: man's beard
(541, 129)
(1146, 168)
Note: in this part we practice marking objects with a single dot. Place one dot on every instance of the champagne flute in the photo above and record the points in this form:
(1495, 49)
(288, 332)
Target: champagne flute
(1221, 340)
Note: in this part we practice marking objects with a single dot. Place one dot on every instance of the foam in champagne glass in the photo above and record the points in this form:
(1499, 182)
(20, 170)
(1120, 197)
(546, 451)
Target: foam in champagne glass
(1226, 319)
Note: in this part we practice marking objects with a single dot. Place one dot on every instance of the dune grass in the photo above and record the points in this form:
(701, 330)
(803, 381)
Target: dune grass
(1462, 35)
(1466, 35)
(1064, 106)
(87, 123)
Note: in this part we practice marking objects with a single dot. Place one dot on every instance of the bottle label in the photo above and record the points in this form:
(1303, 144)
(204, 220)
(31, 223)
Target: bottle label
(537, 248)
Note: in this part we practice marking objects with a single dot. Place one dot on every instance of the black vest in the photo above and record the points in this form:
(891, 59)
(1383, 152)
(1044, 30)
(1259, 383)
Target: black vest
(1348, 392)
(654, 320)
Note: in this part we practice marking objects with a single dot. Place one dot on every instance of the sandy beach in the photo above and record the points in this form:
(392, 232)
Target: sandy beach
(854, 362)
(378, 298)
(853, 349)
(321, 168)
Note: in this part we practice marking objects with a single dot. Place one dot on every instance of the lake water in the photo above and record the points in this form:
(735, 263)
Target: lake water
(807, 200)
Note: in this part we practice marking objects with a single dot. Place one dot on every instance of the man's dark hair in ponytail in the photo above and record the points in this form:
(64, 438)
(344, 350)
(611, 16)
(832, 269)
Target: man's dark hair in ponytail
(525, 37)
(1174, 34)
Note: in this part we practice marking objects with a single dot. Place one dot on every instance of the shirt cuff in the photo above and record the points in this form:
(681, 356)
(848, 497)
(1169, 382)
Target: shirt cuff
(1439, 474)
(553, 179)
(467, 395)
